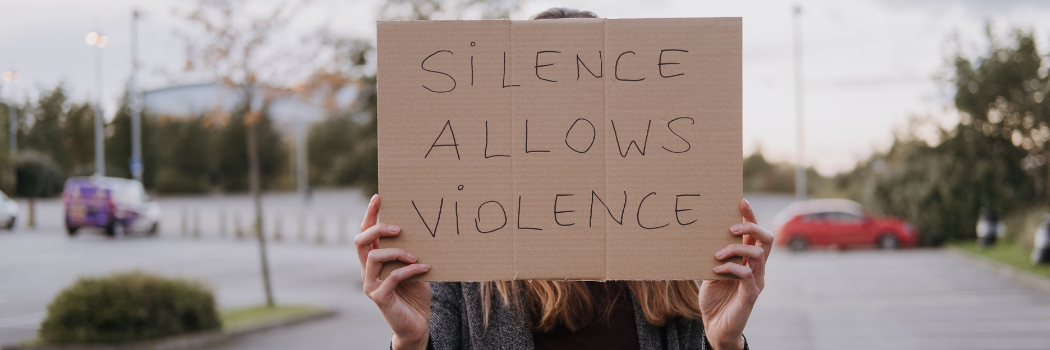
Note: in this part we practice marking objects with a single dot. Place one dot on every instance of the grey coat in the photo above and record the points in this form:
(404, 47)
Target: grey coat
(456, 324)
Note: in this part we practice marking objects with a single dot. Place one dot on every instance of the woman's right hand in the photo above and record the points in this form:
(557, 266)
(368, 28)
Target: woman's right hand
(405, 305)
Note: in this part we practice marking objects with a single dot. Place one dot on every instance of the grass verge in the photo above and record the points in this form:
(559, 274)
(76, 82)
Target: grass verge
(234, 321)
(1007, 253)
(249, 317)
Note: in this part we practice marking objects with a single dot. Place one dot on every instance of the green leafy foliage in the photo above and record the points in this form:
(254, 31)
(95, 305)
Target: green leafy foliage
(762, 176)
(343, 150)
(941, 189)
(995, 157)
(128, 307)
(37, 175)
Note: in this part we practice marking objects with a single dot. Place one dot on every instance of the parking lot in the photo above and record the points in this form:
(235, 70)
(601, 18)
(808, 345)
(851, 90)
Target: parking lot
(859, 299)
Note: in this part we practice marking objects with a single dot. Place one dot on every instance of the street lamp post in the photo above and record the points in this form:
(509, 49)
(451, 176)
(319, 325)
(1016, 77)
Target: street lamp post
(800, 151)
(98, 41)
(135, 99)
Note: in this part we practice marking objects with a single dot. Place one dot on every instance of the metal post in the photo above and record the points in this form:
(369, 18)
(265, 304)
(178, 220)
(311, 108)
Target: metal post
(222, 222)
(800, 156)
(300, 162)
(277, 228)
(320, 228)
(12, 129)
(100, 154)
(135, 101)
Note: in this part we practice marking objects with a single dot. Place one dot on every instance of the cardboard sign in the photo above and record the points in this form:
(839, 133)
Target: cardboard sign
(583, 149)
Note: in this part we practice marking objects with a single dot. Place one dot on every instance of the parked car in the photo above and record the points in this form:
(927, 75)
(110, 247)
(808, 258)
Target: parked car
(840, 222)
(8, 211)
(114, 204)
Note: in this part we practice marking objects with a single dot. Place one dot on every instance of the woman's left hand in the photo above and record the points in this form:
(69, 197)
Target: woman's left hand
(727, 304)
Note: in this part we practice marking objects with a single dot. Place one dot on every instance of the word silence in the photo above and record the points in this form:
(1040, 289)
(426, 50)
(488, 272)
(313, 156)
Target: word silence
(583, 149)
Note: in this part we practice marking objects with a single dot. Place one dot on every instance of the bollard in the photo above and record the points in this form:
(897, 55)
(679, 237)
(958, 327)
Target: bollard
(222, 222)
(237, 232)
(320, 229)
(342, 230)
(277, 228)
(196, 223)
(302, 227)
(182, 227)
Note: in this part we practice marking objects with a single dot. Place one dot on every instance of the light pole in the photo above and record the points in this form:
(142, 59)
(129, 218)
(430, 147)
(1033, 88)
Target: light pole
(135, 101)
(800, 151)
(12, 120)
(98, 41)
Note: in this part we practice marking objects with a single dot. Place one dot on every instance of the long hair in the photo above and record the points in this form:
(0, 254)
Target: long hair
(570, 304)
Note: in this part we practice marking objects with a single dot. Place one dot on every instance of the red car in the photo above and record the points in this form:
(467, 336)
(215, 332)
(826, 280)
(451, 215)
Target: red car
(840, 222)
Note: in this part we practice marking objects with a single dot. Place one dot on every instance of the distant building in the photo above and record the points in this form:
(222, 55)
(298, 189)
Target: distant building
(289, 110)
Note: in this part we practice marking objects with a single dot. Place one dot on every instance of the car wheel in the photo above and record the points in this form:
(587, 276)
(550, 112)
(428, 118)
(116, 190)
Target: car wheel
(798, 244)
(888, 241)
(71, 230)
(115, 229)
(10, 224)
(153, 229)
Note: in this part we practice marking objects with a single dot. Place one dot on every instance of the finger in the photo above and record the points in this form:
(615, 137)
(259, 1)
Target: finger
(741, 250)
(749, 216)
(754, 258)
(385, 290)
(746, 212)
(377, 257)
(759, 235)
(747, 277)
(366, 240)
(371, 213)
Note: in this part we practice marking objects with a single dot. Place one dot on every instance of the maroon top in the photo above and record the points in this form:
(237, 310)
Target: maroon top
(612, 329)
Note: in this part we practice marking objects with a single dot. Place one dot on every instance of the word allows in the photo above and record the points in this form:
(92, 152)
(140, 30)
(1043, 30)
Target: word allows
(582, 149)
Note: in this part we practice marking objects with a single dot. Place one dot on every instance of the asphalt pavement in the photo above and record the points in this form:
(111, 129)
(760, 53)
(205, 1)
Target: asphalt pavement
(858, 299)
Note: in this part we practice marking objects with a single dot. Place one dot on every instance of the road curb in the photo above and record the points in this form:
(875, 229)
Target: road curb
(1023, 277)
(190, 341)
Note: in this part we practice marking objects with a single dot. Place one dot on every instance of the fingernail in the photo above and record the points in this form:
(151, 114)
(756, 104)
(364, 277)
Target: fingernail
(748, 203)
(720, 253)
(393, 228)
(411, 257)
(373, 200)
(737, 228)
(425, 266)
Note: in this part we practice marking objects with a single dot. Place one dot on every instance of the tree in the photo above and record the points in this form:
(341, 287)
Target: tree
(189, 161)
(77, 129)
(7, 174)
(1002, 96)
(37, 176)
(118, 142)
(235, 45)
(45, 134)
(343, 149)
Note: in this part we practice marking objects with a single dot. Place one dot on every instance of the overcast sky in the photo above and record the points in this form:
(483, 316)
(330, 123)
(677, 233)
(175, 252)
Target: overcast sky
(868, 64)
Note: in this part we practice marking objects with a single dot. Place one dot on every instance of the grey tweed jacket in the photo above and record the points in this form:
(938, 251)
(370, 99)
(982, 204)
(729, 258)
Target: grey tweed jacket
(456, 324)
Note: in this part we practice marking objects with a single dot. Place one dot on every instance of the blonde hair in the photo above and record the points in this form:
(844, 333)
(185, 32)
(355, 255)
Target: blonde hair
(569, 303)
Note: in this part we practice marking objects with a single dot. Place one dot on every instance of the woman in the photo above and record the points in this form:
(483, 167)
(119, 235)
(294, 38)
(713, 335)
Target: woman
(565, 314)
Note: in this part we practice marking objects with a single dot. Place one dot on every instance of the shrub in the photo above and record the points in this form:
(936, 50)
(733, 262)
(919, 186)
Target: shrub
(37, 175)
(128, 307)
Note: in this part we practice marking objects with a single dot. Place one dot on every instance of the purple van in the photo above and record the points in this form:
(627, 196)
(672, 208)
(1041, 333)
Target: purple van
(114, 204)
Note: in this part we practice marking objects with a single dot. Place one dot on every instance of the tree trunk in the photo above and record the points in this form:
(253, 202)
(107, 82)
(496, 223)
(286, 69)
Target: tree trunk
(253, 182)
(1047, 187)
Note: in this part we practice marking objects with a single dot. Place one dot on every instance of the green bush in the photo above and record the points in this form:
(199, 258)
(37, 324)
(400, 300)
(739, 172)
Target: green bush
(128, 307)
